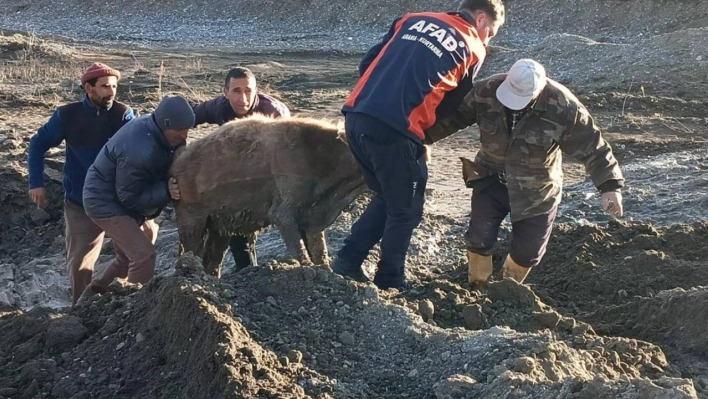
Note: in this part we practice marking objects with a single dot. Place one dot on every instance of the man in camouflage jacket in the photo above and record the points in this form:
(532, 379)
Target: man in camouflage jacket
(525, 121)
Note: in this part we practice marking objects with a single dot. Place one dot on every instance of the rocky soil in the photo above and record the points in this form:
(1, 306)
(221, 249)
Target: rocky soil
(288, 331)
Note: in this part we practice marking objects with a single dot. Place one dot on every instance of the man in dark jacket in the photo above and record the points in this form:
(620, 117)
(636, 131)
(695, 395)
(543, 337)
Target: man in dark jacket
(85, 126)
(127, 186)
(421, 69)
(241, 99)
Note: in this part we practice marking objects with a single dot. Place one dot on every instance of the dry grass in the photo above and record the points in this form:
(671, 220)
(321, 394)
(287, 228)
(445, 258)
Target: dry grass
(29, 46)
(34, 71)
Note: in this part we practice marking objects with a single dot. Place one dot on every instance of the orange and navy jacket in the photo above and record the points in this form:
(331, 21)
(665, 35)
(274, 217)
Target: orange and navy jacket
(426, 61)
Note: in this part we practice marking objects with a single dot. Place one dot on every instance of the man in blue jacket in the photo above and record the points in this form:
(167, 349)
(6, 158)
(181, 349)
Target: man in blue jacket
(419, 72)
(85, 126)
(127, 186)
(241, 98)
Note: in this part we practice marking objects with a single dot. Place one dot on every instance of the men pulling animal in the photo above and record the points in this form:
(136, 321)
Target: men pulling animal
(122, 183)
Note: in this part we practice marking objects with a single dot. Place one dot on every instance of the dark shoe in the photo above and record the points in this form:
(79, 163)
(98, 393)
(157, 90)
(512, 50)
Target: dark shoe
(355, 274)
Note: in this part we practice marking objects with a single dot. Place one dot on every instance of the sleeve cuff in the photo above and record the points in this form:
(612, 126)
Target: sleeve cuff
(611, 185)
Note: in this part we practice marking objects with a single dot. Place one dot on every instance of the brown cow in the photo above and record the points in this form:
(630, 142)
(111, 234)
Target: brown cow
(295, 173)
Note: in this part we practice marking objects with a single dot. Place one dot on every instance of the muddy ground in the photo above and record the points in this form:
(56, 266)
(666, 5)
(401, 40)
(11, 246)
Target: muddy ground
(618, 308)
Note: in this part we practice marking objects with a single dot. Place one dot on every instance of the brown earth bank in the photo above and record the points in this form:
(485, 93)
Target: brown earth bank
(291, 331)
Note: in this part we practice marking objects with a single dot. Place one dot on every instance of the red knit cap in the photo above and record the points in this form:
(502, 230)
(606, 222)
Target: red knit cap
(98, 70)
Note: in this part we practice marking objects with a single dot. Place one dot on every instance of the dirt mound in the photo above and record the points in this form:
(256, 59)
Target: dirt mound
(376, 344)
(172, 339)
(288, 331)
(588, 266)
(675, 318)
(631, 279)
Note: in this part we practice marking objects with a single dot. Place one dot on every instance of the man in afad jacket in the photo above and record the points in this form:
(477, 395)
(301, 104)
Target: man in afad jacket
(241, 98)
(525, 122)
(127, 186)
(85, 126)
(420, 71)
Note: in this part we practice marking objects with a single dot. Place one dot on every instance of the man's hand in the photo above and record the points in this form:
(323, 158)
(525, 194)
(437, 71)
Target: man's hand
(174, 188)
(612, 203)
(39, 196)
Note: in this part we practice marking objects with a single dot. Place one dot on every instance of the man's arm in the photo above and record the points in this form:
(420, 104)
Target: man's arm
(373, 52)
(281, 110)
(584, 142)
(49, 135)
(272, 107)
(465, 115)
(206, 112)
(452, 100)
(133, 187)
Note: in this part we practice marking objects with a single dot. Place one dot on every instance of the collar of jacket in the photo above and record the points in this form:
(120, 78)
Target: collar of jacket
(542, 101)
(157, 133)
(466, 16)
(231, 115)
(254, 106)
(90, 105)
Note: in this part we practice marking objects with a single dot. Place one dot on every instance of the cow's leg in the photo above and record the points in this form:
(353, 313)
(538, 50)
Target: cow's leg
(303, 236)
(215, 247)
(317, 247)
(191, 237)
(252, 238)
(293, 241)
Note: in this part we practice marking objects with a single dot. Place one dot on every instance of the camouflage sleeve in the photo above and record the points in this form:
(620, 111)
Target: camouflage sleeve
(584, 142)
(464, 116)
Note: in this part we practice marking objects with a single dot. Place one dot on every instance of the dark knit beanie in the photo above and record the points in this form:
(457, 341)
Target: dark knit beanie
(174, 112)
(98, 70)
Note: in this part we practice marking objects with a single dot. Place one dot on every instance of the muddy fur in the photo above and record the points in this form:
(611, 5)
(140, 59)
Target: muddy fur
(296, 173)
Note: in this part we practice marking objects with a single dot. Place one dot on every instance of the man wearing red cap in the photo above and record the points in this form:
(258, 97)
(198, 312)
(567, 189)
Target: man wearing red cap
(525, 122)
(85, 126)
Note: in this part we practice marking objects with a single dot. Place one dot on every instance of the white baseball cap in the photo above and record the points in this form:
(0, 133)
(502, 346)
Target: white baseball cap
(524, 82)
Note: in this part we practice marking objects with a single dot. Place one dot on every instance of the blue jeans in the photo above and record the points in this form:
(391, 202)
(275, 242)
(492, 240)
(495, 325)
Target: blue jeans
(394, 168)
